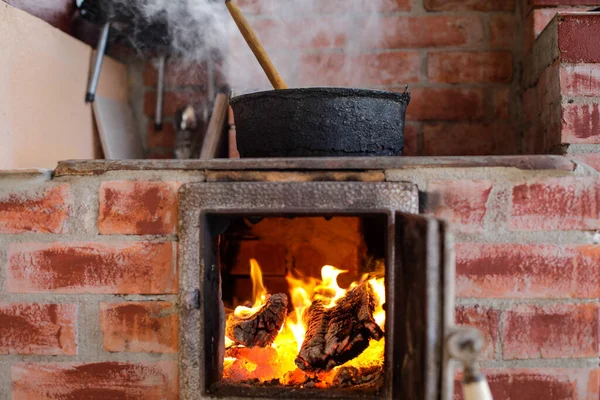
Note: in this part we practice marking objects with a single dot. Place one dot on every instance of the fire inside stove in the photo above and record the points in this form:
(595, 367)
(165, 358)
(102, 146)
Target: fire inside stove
(315, 321)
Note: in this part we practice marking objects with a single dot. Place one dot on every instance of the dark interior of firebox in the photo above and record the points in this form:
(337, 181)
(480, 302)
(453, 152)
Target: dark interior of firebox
(304, 301)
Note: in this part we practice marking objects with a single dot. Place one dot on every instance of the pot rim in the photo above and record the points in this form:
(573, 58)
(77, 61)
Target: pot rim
(303, 93)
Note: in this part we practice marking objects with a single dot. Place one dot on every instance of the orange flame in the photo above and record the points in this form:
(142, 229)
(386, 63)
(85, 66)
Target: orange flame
(259, 292)
(301, 293)
(378, 286)
(328, 290)
(266, 365)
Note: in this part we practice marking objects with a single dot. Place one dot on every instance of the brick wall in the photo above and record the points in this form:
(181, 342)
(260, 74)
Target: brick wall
(466, 63)
(526, 275)
(89, 294)
(537, 14)
(561, 81)
(457, 57)
(88, 305)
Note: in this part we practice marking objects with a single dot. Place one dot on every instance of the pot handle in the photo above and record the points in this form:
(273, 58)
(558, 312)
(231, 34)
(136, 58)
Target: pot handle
(464, 345)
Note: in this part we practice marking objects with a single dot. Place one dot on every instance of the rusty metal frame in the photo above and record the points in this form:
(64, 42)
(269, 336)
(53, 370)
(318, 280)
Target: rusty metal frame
(199, 276)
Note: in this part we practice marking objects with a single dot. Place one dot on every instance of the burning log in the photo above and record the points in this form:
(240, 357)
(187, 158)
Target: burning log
(261, 328)
(338, 334)
(352, 376)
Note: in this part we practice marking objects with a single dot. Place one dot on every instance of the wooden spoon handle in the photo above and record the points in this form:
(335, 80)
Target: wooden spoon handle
(255, 45)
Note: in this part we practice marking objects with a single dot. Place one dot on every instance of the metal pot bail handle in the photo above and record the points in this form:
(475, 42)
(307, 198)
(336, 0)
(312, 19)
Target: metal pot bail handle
(464, 344)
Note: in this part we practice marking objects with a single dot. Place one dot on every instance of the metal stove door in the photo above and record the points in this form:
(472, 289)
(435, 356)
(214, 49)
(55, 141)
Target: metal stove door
(421, 303)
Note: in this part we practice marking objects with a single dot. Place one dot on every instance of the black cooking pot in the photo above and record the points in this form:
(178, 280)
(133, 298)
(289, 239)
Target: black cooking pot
(317, 122)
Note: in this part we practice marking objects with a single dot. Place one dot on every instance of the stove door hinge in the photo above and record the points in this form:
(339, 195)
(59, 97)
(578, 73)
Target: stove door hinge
(192, 300)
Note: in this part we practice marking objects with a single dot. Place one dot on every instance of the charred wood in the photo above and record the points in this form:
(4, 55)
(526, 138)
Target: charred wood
(338, 334)
(261, 328)
(352, 376)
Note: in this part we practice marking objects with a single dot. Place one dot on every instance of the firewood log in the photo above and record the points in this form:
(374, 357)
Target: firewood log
(338, 334)
(261, 328)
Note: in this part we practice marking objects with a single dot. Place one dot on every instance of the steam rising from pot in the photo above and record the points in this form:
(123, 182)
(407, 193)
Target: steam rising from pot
(306, 37)
(303, 37)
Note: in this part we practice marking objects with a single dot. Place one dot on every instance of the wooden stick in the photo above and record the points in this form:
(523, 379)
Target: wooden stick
(216, 125)
(255, 45)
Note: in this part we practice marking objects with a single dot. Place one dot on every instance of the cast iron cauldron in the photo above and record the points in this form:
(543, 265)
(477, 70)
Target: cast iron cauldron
(318, 122)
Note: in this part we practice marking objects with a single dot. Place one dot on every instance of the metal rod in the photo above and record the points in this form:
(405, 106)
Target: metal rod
(100, 50)
(160, 88)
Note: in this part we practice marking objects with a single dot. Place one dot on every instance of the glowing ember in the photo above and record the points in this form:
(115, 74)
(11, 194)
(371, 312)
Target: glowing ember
(277, 361)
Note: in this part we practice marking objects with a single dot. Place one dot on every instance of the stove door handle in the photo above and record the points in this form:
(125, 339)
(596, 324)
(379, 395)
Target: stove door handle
(464, 344)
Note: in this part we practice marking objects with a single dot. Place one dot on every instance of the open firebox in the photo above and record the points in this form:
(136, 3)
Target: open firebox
(313, 290)
(304, 299)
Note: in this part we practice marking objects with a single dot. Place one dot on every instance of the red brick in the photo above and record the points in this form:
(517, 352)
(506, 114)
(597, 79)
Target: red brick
(550, 331)
(245, 72)
(241, 288)
(581, 123)
(276, 33)
(463, 203)
(540, 383)
(556, 204)
(367, 69)
(580, 80)
(501, 100)
(464, 139)
(177, 73)
(429, 31)
(388, 5)
(43, 329)
(411, 140)
(445, 104)
(593, 384)
(470, 67)
(578, 38)
(337, 6)
(126, 268)
(44, 211)
(591, 159)
(503, 31)
(461, 5)
(485, 319)
(546, 3)
(150, 326)
(270, 256)
(164, 138)
(312, 242)
(102, 380)
(325, 32)
(537, 21)
(137, 207)
(254, 7)
(173, 101)
(527, 271)
(257, 6)
(267, 7)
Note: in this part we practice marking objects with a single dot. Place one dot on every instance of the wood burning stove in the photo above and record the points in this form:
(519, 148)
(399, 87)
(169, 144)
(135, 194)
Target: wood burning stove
(418, 280)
